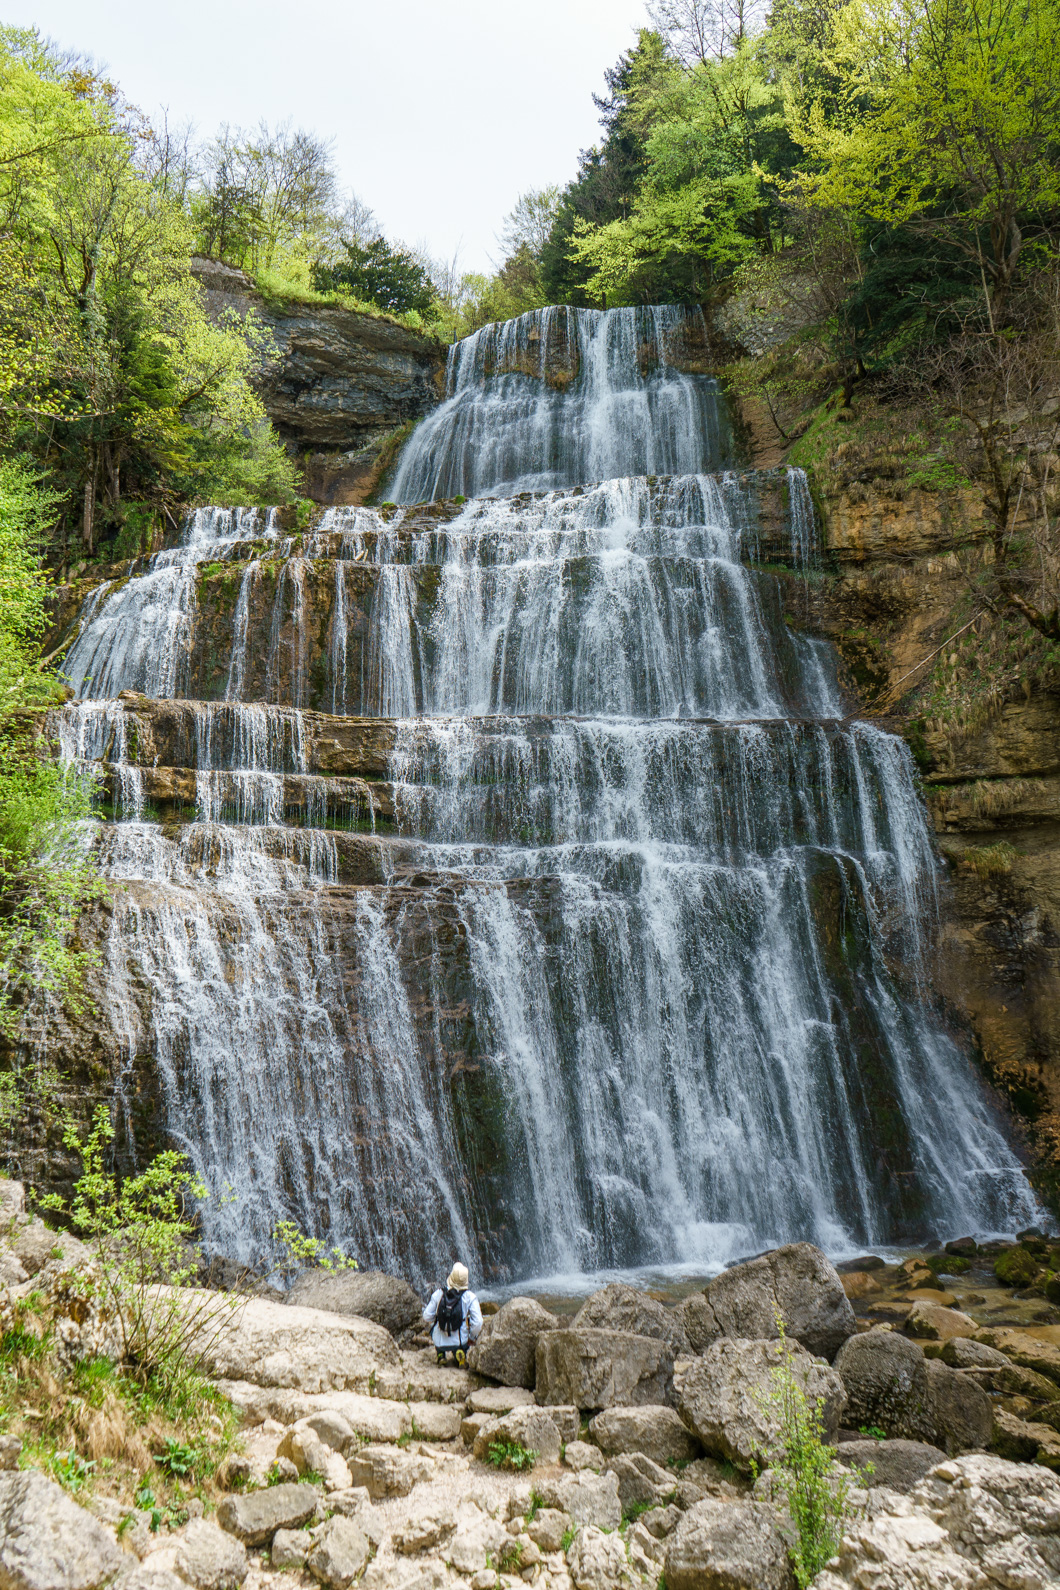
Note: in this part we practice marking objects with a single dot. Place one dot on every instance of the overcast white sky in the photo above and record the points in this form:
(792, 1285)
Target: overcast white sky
(441, 113)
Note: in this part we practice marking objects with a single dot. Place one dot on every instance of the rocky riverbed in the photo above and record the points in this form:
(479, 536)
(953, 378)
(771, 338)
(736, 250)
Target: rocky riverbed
(360, 1459)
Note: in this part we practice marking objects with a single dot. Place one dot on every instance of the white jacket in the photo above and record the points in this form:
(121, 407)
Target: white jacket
(469, 1329)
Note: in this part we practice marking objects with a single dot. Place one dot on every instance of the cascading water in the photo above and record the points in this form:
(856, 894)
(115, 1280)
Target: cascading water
(560, 397)
(632, 970)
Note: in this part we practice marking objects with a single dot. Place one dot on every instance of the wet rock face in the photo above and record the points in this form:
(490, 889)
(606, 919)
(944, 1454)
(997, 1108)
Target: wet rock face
(341, 379)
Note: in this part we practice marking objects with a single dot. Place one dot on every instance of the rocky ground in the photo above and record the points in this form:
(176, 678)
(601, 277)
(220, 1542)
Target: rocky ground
(361, 1460)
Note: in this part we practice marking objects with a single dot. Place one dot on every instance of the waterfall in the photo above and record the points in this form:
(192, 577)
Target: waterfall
(597, 935)
(560, 397)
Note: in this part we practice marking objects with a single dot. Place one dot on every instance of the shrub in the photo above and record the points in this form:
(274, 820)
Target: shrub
(511, 1455)
(802, 1465)
(1016, 1268)
(140, 1234)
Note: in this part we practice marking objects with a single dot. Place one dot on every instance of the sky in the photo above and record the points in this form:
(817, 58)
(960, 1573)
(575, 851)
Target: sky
(441, 114)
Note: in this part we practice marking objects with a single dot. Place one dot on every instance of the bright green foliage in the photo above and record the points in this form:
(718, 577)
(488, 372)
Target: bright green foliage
(179, 1459)
(111, 373)
(511, 1455)
(71, 1470)
(45, 877)
(803, 1470)
(140, 1230)
(299, 1252)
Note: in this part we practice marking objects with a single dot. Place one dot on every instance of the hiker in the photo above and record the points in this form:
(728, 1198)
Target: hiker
(454, 1315)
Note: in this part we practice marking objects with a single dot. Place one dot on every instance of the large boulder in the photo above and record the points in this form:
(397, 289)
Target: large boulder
(640, 1481)
(960, 1353)
(659, 1433)
(507, 1348)
(1025, 1350)
(724, 1396)
(962, 1413)
(276, 1344)
(886, 1383)
(728, 1546)
(900, 1465)
(209, 1558)
(339, 1553)
(603, 1369)
(797, 1281)
(531, 1428)
(47, 1542)
(597, 1561)
(624, 1308)
(588, 1498)
(696, 1318)
(933, 1323)
(975, 1521)
(34, 1244)
(364, 1294)
(256, 1517)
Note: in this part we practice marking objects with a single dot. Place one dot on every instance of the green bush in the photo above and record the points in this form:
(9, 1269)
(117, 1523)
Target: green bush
(802, 1465)
(1017, 1268)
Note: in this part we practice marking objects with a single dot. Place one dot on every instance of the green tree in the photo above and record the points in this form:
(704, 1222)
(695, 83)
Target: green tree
(377, 273)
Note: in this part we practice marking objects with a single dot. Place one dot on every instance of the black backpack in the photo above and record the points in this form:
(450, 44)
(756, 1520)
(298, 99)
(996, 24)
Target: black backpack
(450, 1315)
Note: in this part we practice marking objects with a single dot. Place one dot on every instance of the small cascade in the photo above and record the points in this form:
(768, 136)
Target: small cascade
(561, 397)
(525, 889)
(136, 632)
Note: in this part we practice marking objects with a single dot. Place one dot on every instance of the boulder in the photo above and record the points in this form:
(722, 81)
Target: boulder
(12, 1200)
(289, 1549)
(1024, 1440)
(47, 1542)
(422, 1532)
(972, 1521)
(386, 1471)
(932, 1323)
(210, 1559)
(597, 1561)
(363, 1294)
(696, 1318)
(723, 1396)
(800, 1282)
(859, 1284)
(885, 1378)
(470, 1427)
(640, 1481)
(435, 1421)
(370, 1418)
(495, 1400)
(339, 1553)
(531, 1428)
(624, 1308)
(507, 1347)
(657, 1432)
(34, 1244)
(963, 1414)
(588, 1498)
(579, 1455)
(256, 1517)
(1028, 1351)
(357, 1504)
(602, 1369)
(278, 1344)
(728, 1546)
(476, 1540)
(900, 1465)
(960, 1353)
(548, 1527)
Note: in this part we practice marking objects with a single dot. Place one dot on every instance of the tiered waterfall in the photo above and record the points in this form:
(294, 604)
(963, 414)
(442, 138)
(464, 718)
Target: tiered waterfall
(502, 877)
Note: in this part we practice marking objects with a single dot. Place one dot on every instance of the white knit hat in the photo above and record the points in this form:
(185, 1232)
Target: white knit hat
(458, 1277)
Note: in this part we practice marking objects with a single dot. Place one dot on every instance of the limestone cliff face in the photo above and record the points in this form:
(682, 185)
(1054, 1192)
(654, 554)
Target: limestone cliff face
(894, 588)
(343, 383)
